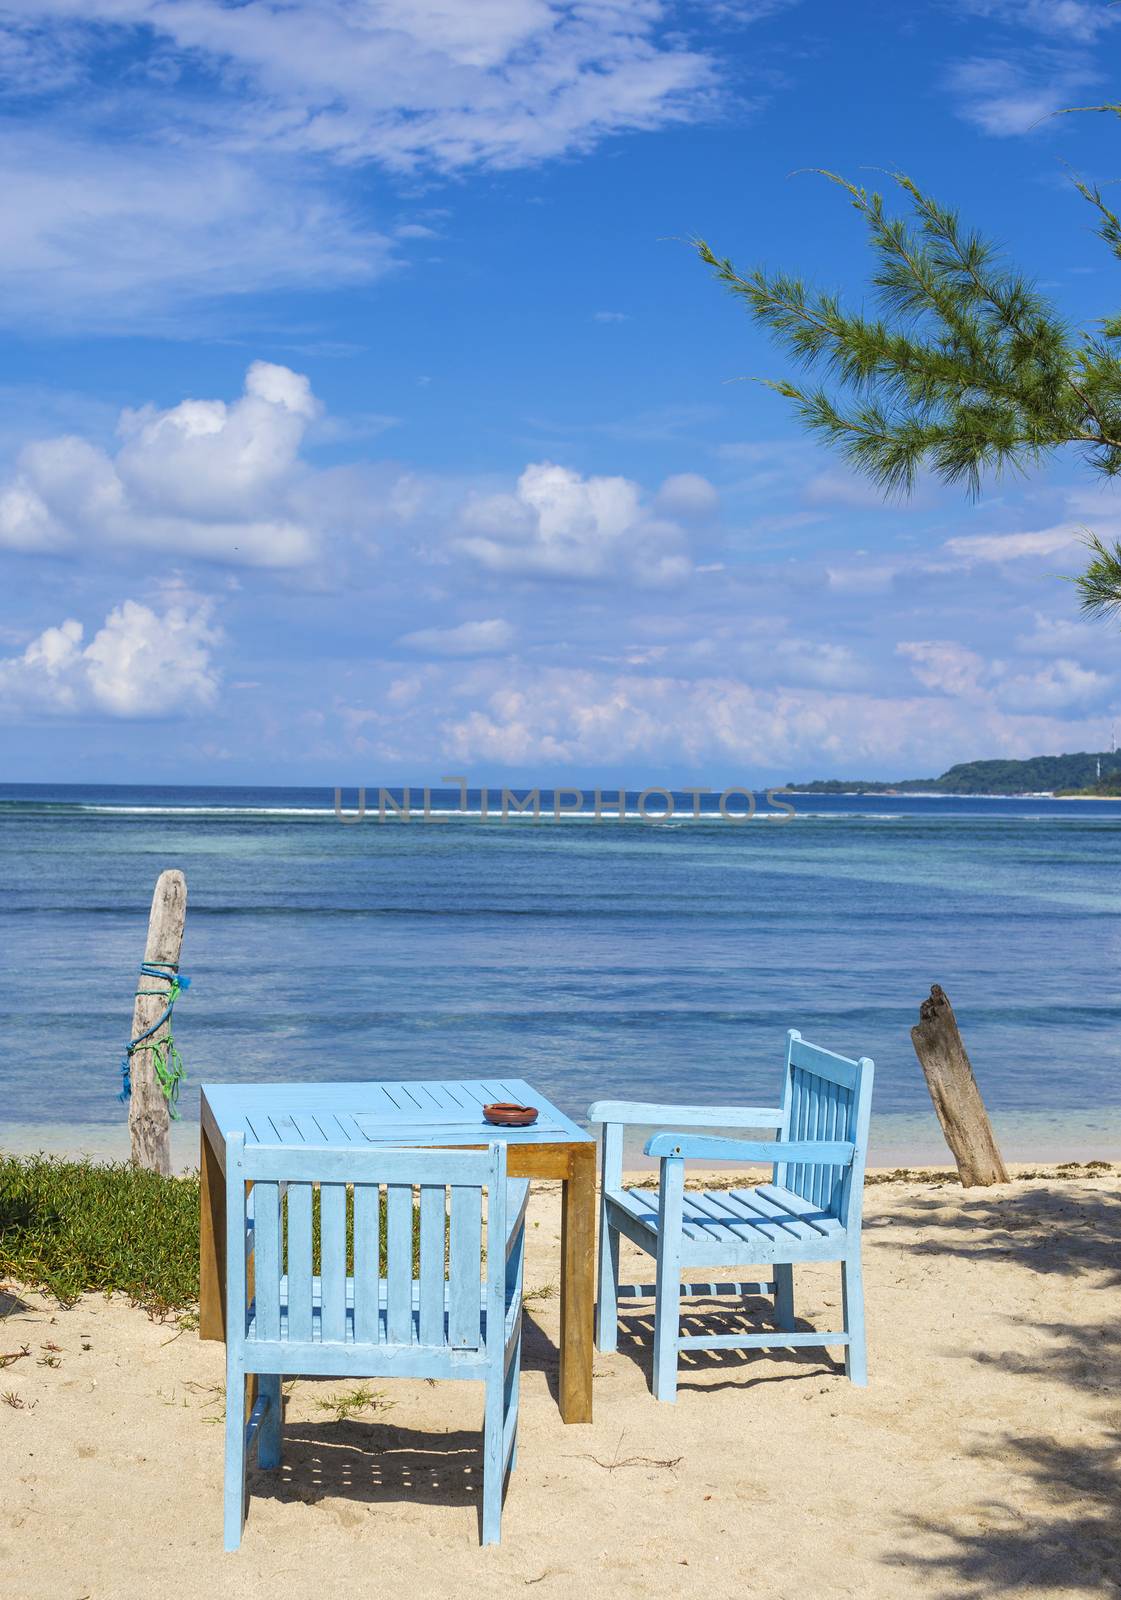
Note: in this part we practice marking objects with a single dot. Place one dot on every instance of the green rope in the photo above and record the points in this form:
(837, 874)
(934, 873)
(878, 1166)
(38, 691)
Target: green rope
(167, 1063)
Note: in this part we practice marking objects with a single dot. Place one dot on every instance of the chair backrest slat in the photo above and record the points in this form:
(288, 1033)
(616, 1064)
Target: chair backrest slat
(465, 1244)
(266, 1258)
(298, 1260)
(433, 1247)
(826, 1097)
(332, 1256)
(312, 1287)
(367, 1262)
(399, 1263)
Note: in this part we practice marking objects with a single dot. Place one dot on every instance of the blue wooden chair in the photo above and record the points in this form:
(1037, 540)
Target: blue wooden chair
(810, 1211)
(462, 1320)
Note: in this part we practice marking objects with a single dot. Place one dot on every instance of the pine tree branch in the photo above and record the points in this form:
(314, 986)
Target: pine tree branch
(1099, 587)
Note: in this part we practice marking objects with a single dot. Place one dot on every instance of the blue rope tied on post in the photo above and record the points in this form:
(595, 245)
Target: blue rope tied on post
(167, 1063)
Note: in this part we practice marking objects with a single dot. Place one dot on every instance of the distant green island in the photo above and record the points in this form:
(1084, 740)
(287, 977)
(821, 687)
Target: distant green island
(1073, 776)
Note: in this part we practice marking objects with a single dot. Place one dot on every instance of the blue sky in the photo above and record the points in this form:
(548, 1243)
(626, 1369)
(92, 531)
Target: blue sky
(365, 415)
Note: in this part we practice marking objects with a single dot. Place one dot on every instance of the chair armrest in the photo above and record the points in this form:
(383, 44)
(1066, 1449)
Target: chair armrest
(626, 1111)
(829, 1152)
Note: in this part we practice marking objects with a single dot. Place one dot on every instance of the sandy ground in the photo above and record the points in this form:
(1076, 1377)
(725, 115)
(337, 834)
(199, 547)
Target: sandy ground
(982, 1460)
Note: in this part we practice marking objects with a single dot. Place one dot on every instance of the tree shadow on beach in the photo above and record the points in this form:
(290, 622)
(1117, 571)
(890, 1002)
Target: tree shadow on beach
(1073, 1544)
(1050, 1231)
(1073, 1548)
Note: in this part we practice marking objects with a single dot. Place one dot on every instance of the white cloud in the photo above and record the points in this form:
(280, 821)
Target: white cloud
(558, 524)
(952, 670)
(1005, 97)
(421, 82)
(1014, 546)
(1059, 685)
(202, 478)
(689, 496)
(488, 638)
(1056, 636)
(1018, 87)
(170, 153)
(943, 665)
(806, 661)
(561, 718)
(1080, 21)
(138, 664)
(838, 488)
(113, 234)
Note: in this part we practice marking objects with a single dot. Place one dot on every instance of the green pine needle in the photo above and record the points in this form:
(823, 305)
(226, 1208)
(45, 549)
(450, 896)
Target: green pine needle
(964, 371)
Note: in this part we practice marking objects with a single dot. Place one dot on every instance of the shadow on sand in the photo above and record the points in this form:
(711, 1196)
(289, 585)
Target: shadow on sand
(1074, 1546)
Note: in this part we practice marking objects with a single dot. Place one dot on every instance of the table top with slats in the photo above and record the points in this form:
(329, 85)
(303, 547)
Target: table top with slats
(344, 1115)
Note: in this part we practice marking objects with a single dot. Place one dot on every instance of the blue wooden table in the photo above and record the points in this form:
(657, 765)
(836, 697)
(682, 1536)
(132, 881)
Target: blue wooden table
(444, 1112)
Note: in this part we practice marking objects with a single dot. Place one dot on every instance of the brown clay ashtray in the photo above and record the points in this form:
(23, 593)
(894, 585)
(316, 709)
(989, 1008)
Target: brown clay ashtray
(505, 1115)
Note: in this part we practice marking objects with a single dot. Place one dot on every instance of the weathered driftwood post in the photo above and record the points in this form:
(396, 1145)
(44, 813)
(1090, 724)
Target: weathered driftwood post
(953, 1088)
(148, 1119)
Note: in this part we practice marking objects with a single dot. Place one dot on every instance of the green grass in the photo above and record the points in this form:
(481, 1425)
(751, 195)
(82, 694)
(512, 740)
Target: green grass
(71, 1227)
(353, 1402)
(76, 1227)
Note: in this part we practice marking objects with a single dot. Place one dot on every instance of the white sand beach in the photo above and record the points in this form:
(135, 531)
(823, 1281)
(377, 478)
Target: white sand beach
(981, 1460)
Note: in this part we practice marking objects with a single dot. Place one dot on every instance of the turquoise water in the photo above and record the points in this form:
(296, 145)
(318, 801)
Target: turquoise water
(591, 958)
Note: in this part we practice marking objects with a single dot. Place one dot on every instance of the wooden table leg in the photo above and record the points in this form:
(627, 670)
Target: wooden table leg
(212, 1243)
(578, 1230)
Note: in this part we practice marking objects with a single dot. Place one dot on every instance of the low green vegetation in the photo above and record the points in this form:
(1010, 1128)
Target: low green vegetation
(77, 1227)
(353, 1402)
(1108, 789)
(71, 1227)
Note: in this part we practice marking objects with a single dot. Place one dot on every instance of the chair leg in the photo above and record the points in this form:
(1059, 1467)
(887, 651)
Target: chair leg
(268, 1439)
(852, 1301)
(784, 1297)
(234, 1488)
(492, 1458)
(607, 1300)
(667, 1318)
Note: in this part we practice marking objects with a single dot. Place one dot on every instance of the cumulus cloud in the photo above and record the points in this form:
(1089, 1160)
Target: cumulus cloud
(1056, 687)
(205, 478)
(1056, 636)
(943, 665)
(952, 670)
(139, 663)
(488, 638)
(807, 661)
(559, 524)
(565, 718)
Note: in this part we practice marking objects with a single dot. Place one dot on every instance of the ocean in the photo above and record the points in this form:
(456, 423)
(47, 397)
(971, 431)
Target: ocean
(630, 958)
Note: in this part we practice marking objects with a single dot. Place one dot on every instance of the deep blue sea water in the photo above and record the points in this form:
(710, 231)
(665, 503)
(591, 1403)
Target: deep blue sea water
(652, 961)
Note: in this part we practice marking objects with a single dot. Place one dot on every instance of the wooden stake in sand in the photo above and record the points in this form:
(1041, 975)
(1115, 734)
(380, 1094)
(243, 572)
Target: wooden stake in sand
(148, 1119)
(953, 1088)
